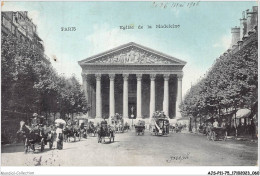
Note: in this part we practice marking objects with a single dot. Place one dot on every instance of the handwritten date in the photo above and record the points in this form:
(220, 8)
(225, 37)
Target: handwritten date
(68, 28)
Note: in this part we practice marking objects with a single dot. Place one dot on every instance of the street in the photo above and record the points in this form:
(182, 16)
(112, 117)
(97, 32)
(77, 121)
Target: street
(177, 149)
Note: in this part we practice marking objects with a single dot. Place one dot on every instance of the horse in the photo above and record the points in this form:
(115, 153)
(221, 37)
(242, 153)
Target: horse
(126, 127)
(71, 131)
(92, 129)
(105, 131)
(31, 136)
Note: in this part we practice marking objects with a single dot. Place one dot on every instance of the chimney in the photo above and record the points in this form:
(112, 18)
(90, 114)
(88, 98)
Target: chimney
(254, 18)
(235, 36)
(243, 26)
(250, 21)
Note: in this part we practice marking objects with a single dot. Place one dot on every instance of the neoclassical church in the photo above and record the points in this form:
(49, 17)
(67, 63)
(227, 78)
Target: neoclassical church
(134, 81)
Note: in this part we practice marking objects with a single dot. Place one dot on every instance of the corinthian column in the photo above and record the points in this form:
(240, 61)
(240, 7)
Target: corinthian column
(179, 95)
(166, 95)
(85, 87)
(152, 94)
(139, 96)
(111, 95)
(125, 96)
(98, 96)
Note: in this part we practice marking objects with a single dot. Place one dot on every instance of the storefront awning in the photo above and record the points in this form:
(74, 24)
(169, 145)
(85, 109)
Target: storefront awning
(242, 113)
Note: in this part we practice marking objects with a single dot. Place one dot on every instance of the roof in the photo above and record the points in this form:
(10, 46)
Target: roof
(92, 59)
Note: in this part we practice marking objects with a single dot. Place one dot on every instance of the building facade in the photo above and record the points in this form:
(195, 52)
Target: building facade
(21, 26)
(134, 81)
(248, 26)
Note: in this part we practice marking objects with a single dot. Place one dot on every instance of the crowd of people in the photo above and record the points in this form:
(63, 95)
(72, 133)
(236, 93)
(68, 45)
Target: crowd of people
(232, 130)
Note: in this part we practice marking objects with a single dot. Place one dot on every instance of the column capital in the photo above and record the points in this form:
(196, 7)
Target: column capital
(111, 76)
(152, 77)
(84, 75)
(139, 77)
(166, 77)
(179, 76)
(98, 76)
(125, 76)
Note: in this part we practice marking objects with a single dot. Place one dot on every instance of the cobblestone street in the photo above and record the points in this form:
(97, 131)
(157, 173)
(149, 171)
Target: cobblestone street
(177, 149)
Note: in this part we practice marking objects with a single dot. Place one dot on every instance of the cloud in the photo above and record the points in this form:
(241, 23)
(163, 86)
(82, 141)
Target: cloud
(34, 15)
(64, 65)
(192, 75)
(224, 42)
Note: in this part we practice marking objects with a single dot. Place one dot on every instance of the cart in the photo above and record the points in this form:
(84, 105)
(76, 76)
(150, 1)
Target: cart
(140, 127)
(105, 131)
(35, 137)
(217, 133)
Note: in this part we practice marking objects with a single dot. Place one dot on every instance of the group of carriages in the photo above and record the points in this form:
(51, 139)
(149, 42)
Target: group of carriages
(117, 122)
(213, 130)
(36, 134)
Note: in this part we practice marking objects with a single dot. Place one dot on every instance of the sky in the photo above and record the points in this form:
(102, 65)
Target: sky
(204, 33)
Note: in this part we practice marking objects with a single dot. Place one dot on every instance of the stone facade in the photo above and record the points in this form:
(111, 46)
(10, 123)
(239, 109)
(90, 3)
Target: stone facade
(132, 79)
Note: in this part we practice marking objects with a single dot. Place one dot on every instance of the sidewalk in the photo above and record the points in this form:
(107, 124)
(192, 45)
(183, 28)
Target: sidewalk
(238, 138)
(245, 138)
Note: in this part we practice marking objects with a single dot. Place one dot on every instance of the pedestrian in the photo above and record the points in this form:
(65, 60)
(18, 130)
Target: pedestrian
(215, 124)
(35, 120)
(252, 129)
(59, 137)
(223, 124)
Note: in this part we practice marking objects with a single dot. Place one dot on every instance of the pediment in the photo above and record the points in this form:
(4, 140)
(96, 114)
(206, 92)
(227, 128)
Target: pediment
(132, 53)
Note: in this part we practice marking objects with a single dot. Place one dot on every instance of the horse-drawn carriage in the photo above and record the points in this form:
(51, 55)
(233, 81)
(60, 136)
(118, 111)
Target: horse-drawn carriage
(216, 133)
(105, 131)
(72, 130)
(83, 125)
(36, 136)
(178, 128)
(140, 127)
(159, 124)
(118, 123)
(91, 129)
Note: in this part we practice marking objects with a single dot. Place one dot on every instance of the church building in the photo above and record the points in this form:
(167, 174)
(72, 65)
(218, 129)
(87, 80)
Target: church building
(134, 81)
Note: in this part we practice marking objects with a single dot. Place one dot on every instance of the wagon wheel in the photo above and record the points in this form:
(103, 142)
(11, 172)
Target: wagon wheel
(42, 145)
(208, 135)
(213, 136)
(75, 137)
(225, 136)
(26, 145)
(50, 145)
(79, 136)
(32, 147)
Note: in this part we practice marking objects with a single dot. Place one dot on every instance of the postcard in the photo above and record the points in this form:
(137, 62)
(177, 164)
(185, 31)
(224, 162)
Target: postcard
(129, 83)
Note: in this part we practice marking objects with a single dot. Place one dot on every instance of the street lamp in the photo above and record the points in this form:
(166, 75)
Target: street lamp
(132, 117)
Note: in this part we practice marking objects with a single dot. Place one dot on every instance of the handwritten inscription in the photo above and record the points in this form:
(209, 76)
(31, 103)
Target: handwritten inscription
(179, 158)
(68, 29)
(165, 5)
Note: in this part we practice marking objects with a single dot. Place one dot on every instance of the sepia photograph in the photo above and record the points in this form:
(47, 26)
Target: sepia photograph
(129, 83)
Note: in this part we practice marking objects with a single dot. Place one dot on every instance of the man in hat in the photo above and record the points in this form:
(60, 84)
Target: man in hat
(35, 120)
